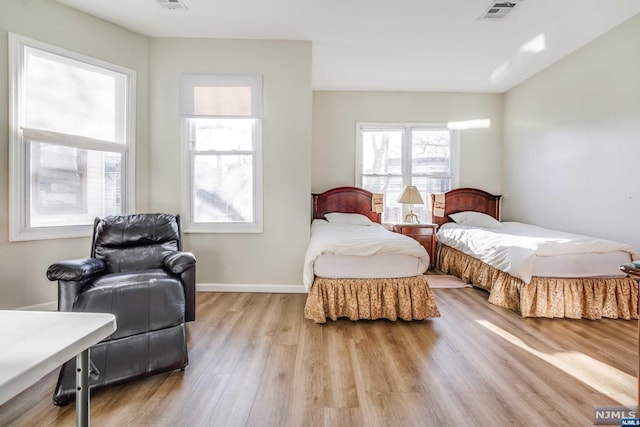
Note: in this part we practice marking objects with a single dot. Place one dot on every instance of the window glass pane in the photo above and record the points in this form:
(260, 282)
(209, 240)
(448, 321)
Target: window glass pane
(73, 97)
(223, 188)
(390, 186)
(72, 185)
(382, 152)
(223, 134)
(112, 194)
(430, 151)
(428, 186)
(430, 165)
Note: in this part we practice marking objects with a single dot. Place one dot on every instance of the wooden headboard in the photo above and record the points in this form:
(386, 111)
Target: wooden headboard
(344, 199)
(467, 199)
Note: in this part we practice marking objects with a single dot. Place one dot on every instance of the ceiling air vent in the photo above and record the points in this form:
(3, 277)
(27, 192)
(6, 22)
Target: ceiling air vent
(499, 10)
(172, 4)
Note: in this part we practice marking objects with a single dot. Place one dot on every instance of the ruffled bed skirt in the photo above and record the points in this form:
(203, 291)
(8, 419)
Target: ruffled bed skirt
(589, 298)
(408, 298)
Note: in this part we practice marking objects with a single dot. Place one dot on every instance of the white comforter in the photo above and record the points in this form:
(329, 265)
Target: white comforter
(513, 248)
(364, 240)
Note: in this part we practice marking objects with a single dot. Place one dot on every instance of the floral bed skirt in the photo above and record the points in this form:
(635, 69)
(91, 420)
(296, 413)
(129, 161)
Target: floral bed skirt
(589, 298)
(407, 298)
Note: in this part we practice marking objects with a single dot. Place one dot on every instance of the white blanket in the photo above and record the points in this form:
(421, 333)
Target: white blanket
(362, 240)
(513, 248)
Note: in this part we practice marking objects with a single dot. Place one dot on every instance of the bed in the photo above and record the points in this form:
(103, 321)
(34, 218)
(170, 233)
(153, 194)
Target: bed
(546, 277)
(357, 269)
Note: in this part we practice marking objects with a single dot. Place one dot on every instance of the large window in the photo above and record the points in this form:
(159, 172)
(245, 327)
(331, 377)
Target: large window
(222, 120)
(391, 156)
(72, 127)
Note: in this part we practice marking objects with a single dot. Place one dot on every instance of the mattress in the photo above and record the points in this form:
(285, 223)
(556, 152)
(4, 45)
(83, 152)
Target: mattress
(525, 251)
(581, 265)
(384, 266)
(353, 249)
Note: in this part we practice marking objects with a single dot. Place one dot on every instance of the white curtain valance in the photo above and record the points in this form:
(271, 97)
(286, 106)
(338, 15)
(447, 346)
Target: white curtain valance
(210, 95)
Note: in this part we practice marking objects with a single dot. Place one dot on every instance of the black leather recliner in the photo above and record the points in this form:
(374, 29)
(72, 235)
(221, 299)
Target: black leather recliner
(138, 272)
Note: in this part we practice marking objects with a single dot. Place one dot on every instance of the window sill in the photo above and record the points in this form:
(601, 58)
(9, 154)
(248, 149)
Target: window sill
(48, 233)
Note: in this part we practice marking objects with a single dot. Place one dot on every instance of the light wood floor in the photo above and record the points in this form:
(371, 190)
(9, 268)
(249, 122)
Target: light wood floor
(255, 361)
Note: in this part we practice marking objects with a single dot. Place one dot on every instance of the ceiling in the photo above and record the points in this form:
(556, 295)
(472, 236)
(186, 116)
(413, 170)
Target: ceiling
(406, 45)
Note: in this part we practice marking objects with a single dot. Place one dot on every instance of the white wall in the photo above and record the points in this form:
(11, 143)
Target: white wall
(569, 158)
(275, 256)
(571, 155)
(23, 265)
(335, 114)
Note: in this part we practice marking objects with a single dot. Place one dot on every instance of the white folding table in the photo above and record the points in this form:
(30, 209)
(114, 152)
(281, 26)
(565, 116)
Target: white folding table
(36, 342)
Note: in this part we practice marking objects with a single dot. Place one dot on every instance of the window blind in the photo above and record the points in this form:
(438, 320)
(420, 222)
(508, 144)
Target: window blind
(204, 95)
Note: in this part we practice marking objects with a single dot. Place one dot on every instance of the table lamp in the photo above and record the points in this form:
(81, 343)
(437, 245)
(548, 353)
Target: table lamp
(410, 196)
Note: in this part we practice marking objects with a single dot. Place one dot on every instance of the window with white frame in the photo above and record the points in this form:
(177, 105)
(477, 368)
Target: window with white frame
(72, 126)
(392, 156)
(222, 130)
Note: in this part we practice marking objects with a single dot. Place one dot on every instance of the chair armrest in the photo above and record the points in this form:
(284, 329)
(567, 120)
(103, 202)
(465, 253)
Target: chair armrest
(75, 269)
(179, 262)
(183, 264)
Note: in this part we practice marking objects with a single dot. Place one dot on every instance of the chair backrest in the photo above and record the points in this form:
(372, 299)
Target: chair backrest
(135, 242)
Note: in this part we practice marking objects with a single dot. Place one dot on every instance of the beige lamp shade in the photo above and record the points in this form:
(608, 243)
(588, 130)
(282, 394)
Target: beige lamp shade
(411, 196)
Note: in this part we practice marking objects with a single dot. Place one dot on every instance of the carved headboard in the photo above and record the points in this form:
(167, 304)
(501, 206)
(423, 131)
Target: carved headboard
(467, 199)
(344, 199)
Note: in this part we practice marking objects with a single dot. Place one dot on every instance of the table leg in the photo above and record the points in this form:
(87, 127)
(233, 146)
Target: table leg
(82, 389)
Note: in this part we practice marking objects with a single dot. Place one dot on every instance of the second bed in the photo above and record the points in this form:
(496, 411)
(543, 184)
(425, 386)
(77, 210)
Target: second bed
(535, 271)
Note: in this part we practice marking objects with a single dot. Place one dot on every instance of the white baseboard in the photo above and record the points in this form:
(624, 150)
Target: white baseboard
(272, 289)
(45, 306)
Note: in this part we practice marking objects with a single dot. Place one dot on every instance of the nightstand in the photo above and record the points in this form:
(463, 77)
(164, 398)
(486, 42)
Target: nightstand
(425, 234)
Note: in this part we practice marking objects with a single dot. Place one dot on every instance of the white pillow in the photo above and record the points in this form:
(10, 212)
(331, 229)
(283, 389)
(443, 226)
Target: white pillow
(475, 219)
(347, 218)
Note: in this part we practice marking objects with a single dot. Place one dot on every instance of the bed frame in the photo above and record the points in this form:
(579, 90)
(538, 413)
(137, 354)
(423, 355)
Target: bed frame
(580, 297)
(344, 199)
(467, 199)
